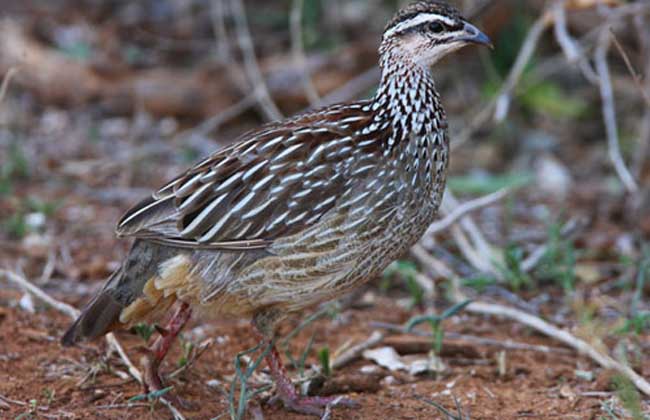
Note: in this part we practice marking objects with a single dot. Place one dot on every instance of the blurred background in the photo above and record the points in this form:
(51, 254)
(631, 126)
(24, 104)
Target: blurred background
(103, 101)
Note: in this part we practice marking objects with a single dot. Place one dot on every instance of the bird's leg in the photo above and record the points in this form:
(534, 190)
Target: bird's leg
(286, 391)
(158, 351)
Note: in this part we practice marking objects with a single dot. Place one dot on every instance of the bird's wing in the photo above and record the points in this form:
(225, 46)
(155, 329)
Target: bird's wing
(274, 183)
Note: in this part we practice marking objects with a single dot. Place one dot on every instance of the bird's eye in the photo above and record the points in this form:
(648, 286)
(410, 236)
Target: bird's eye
(436, 27)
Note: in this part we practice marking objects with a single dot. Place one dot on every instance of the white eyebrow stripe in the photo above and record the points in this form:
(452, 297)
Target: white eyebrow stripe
(419, 19)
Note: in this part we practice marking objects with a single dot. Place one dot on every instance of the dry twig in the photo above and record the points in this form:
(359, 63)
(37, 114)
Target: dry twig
(472, 339)
(23, 283)
(354, 352)
(498, 107)
(251, 65)
(567, 338)
(642, 25)
(483, 247)
(5, 82)
(298, 53)
(571, 49)
(463, 209)
(630, 68)
(431, 262)
(609, 113)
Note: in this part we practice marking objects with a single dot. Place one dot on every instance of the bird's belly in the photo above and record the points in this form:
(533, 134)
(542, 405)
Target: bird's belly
(303, 277)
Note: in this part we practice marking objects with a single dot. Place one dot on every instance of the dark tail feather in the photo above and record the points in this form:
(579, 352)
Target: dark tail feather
(124, 286)
(99, 317)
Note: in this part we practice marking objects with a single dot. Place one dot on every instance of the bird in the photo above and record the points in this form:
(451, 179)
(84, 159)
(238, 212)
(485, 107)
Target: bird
(294, 213)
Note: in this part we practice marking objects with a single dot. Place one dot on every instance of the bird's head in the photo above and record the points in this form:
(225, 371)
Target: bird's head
(427, 30)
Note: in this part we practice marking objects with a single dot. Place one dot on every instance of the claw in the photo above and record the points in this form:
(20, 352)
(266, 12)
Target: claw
(286, 391)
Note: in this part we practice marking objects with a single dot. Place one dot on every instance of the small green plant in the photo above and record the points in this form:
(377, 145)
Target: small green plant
(79, 50)
(324, 359)
(487, 184)
(15, 166)
(299, 364)
(144, 331)
(16, 226)
(33, 407)
(49, 395)
(189, 155)
(479, 283)
(448, 415)
(330, 310)
(187, 347)
(550, 98)
(559, 261)
(151, 396)
(512, 270)
(642, 273)
(435, 321)
(237, 410)
(629, 397)
(37, 205)
(407, 271)
(638, 324)
(609, 408)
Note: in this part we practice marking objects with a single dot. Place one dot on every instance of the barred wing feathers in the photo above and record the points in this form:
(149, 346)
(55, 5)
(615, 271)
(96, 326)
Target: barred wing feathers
(273, 183)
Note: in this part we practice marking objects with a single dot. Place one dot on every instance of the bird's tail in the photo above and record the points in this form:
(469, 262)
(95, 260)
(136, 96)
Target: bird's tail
(97, 318)
(102, 314)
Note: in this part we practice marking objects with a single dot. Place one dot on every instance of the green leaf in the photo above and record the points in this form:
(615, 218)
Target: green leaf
(486, 184)
(432, 319)
(549, 98)
(455, 309)
(144, 331)
(480, 283)
(324, 359)
(152, 395)
(511, 268)
(629, 396)
(80, 51)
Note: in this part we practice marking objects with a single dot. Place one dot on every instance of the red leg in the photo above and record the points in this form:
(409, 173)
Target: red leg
(161, 346)
(287, 392)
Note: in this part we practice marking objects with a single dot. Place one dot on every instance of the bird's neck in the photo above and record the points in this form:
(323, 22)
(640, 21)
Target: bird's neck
(407, 96)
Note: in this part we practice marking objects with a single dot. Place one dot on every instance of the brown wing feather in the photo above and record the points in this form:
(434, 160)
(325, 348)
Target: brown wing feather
(272, 183)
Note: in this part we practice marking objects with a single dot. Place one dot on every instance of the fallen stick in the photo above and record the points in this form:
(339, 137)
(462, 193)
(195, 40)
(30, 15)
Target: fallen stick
(472, 339)
(69, 310)
(5, 82)
(354, 352)
(463, 209)
(567, 338)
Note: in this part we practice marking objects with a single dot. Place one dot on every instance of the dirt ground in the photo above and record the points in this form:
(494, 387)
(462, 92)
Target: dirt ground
(82, 383)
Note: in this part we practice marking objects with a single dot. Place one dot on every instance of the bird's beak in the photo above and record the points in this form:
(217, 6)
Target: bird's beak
(472, 34)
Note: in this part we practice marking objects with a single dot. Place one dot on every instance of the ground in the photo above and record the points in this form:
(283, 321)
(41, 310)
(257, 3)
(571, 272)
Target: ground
(33, 366)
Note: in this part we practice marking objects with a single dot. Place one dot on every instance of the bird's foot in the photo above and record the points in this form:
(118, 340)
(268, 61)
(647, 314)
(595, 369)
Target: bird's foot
(155, 387)
(151, 380)
(292, 400)
(286, 391)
